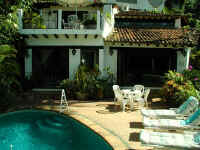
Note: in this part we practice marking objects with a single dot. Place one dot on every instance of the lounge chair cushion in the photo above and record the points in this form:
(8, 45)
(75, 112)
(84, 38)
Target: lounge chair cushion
(166, 123)
(168, 139)
(195, 118)
(184, 109)
(158, 112)
(197, 138)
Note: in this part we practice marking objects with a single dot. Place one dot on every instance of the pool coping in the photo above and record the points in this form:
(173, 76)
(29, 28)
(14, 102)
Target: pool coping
(108, 135)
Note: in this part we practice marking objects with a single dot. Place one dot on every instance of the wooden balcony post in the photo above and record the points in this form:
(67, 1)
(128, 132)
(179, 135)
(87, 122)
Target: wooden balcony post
(98, 20)
(59, 18)
(20, 16)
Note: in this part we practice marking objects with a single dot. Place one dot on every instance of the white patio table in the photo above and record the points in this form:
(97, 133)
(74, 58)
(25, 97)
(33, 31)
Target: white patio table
(132, 95)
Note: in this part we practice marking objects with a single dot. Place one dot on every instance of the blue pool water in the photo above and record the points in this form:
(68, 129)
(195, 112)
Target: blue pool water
(45, 130)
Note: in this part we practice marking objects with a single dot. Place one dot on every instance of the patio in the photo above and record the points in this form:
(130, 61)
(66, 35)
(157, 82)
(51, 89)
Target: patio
(120, 129)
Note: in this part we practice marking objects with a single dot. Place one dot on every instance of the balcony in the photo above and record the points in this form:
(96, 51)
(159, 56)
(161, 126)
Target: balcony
(60, 22)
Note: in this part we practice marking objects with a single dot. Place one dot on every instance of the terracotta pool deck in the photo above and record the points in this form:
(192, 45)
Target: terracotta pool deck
(120, 129)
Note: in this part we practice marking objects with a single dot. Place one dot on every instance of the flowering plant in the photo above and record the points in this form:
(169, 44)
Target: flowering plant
(177, 88)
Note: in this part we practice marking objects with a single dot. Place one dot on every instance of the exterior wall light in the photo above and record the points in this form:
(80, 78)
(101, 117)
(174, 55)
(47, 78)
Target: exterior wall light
(111, 52)
(74, 52)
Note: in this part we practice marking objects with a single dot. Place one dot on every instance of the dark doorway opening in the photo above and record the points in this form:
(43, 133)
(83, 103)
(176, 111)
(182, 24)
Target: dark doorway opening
(144, 65)
(50, 66)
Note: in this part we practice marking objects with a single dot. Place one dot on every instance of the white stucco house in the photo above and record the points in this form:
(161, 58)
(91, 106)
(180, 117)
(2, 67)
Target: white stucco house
(136, 44)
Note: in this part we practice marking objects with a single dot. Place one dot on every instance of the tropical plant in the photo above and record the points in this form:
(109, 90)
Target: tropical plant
(174, 6)
(33, 20)
(194, 76)
(89, 81)
(9, 69)
(70, 87)
(177, 88)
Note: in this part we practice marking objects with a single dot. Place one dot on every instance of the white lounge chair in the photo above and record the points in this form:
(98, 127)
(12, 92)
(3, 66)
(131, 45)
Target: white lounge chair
(191, 122)
(187, 108)
(181, 141)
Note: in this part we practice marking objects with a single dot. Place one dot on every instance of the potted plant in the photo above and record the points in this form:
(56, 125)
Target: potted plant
(90, 22)
(33, 20)
(82, 82)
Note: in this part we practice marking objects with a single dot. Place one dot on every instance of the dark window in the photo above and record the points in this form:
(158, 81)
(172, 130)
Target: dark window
(135, 23)
(90, 57)
(128, 1)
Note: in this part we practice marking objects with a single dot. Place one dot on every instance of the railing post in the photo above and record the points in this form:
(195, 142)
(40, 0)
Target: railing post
(28, 64)
(20, 16)
(98, 20)
(59, 18)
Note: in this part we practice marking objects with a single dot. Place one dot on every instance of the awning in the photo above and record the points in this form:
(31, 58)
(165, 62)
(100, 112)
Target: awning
(166, 37)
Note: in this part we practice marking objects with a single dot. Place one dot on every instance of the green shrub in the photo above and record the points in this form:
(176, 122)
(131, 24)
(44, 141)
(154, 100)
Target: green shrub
(7, 98)
(177, 88)
(194, 76)
(89, 81)
(9, 69)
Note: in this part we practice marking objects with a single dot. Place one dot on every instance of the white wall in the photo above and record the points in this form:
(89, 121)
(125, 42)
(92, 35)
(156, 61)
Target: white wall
(74, 62)
(183, 59)
(142, 4)
(108, 20)
(110, 60)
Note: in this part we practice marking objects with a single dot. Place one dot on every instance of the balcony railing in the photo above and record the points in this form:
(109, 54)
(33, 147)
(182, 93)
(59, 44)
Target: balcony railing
(62, 22)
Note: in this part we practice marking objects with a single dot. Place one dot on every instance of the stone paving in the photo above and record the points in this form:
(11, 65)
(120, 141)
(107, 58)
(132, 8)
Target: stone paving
(120, 129)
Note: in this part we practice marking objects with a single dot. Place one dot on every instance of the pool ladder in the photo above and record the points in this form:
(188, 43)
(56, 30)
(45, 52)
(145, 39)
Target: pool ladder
(11, 147)
(63, 102)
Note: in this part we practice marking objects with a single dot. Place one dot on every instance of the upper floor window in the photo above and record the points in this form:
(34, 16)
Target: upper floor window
(136, 23)
(128, 1)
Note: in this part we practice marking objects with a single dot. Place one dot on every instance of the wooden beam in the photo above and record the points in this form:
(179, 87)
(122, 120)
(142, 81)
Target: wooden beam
(35, 36)
(46, 36)
(56, 36)
(86, 35)
(67, 36)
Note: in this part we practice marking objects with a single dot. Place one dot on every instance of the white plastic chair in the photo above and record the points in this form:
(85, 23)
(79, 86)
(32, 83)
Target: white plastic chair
(139, 88)
(143, 100)
(165, 140)
(73, 21)
(120, 97)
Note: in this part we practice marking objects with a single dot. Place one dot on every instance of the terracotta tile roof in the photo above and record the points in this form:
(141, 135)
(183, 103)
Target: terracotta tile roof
(158, 37)
(146, 15)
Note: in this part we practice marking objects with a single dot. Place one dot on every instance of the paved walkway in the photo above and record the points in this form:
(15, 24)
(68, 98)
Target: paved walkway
(120, 129)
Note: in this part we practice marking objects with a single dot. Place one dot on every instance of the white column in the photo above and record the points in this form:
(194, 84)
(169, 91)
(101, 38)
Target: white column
(98, 20)
(108, 22)
(101, 61)
(28, 64)
(74, 62)
(178, 23)
(111, 60)
(183, 59)
(59, 18)
(20, 17)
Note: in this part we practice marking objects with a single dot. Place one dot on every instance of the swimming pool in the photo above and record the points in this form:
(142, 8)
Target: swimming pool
(46, 130)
